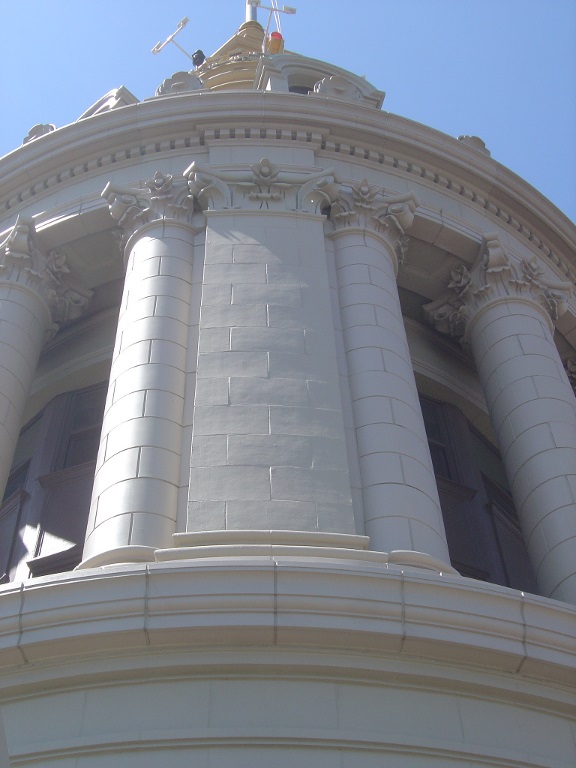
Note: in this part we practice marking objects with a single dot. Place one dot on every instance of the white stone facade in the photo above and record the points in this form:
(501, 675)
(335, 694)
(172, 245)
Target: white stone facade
(316, 328)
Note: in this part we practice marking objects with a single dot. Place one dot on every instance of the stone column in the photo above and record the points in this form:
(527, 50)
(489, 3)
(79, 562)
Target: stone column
(35, 295)
(268, 449)
(505, 310)
(135, 497)
(400, 497)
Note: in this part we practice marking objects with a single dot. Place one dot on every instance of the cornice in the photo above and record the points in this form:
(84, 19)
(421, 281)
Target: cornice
(187, 122)
(287, 602)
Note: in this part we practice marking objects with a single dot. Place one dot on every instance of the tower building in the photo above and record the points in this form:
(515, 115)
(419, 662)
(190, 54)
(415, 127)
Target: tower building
(287, 434)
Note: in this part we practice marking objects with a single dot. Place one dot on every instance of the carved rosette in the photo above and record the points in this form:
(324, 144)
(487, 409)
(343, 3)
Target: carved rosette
(262, 186)
(366, 207)
(48, 275)
(164, 197)
(495, 277)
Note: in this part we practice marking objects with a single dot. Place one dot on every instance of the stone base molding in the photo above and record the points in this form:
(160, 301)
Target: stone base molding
(415, 668)
(300, 544)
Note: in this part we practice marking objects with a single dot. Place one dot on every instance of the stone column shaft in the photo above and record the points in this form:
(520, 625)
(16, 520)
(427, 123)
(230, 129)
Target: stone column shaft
(138, 474)
(34, 296)
(24, 321)
(533, 410)
(506, 312)
(400, 497)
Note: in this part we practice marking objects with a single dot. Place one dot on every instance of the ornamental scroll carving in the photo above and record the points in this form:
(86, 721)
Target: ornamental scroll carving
(262, 186)
(338, 88)
(366, 207)
(22, 262)
(164, 197)
(180, 82)
(495, 277)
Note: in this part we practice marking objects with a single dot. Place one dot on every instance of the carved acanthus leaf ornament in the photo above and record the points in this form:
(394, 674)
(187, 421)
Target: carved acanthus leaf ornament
(47, 274)
(495, 277)
(164, 197)
(262, 186)
(367, 207)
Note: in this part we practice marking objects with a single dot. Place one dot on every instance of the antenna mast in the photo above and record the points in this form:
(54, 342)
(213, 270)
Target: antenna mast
(253, 5)
(251, 12)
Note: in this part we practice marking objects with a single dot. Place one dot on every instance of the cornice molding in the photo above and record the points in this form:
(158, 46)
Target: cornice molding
(411, 150)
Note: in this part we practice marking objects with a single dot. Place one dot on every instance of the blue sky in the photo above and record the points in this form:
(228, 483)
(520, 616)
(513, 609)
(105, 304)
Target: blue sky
(504, 70)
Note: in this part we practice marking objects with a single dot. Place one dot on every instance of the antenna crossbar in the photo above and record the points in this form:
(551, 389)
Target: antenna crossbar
(170, 39)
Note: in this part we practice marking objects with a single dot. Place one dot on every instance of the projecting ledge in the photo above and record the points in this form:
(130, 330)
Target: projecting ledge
(293, 538)
(308, 546)
(287, 602)
(300, 544)
(119, 556)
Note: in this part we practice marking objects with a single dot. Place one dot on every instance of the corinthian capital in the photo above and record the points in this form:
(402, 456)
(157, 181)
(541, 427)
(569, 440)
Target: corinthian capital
(163, 197)
(363, 206)
(262, 186)
(48, 275)
(495, 277)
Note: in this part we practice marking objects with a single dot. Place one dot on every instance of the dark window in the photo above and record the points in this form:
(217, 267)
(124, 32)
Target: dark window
(17, 479)
(303, 89)
(438, 437)
(482, 527)
(22, 455)
(81, 441)
(45, 509)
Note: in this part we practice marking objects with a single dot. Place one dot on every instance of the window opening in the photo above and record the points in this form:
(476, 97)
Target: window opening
(22, 455)
(83, 436)
(437, 437)
(485, 540)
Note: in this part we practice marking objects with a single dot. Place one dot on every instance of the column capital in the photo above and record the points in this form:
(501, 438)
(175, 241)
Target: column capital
(164, 197)
(262, 186)
(495, 278)
(366, 207)
(23, 263)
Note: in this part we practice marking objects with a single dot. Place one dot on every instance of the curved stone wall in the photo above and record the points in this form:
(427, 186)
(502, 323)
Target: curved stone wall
(260, 659)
